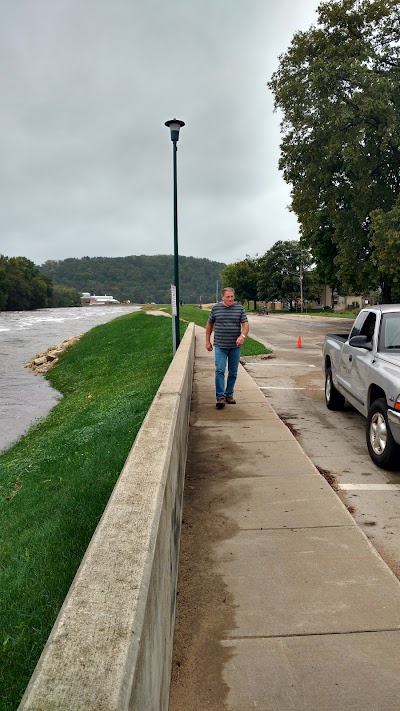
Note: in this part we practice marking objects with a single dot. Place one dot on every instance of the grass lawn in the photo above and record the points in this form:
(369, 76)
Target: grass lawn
(306, 314)
(332, 314)
(56, 481)
(200, 316)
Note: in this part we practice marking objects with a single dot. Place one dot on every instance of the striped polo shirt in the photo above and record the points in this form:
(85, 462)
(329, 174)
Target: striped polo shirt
(227, 320)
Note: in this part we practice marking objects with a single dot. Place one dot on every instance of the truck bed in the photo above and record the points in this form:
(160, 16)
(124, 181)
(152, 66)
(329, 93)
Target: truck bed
(338, 336)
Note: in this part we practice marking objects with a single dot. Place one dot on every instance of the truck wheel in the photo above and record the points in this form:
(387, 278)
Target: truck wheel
(382, 448)
(333, 398)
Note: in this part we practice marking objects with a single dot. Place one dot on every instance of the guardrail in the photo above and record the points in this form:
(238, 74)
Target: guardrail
(111, 645)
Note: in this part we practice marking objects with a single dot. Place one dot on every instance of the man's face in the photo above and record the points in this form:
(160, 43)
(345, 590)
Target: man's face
(228, 298)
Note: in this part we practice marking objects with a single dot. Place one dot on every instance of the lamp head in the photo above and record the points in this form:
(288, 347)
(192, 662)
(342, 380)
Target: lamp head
(174, 125)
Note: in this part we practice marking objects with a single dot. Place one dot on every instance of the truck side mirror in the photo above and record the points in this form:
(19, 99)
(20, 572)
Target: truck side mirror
(360, 342)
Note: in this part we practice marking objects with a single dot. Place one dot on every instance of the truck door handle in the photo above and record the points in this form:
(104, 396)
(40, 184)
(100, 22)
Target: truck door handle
(350, 358)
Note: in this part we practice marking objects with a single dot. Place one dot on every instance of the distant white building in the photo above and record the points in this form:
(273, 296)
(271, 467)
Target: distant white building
(93, 300)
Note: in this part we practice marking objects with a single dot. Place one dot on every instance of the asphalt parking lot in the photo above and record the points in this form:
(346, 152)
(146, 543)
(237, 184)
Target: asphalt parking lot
(292, 381)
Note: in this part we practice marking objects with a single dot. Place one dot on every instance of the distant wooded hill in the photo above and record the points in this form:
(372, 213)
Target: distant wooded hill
(141, 279)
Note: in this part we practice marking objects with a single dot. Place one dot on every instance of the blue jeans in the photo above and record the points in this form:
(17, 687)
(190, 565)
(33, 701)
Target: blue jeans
(222, 357)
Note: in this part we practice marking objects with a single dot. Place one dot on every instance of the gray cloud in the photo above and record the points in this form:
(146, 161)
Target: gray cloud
(86, 161)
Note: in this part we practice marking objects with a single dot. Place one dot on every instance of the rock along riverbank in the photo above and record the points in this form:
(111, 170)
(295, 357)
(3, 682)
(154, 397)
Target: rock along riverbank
(41, 362)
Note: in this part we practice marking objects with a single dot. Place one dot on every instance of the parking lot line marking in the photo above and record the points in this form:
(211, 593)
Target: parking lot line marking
(369, 487)
(283, 365)
(277, 387)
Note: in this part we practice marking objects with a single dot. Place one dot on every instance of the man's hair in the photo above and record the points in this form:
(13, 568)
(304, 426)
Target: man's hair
(228, 288)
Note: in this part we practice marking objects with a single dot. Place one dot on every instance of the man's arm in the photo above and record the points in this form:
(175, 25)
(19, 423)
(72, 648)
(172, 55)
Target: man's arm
(209, 329)
(245, 330)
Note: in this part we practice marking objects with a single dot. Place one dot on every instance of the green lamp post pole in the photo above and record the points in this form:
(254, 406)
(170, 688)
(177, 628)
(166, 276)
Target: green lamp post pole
(175, 125)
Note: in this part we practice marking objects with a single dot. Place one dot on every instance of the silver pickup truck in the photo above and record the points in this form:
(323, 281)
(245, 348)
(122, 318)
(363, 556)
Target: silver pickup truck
(364, 369)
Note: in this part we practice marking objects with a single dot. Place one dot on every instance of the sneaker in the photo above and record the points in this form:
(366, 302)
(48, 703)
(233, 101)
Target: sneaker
(230, 400)
(220, 403)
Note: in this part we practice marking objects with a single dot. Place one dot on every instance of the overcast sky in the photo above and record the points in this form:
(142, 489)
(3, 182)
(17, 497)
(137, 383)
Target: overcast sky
(86, 161)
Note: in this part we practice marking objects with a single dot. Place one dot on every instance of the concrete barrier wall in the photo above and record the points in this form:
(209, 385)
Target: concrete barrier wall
(111, 645)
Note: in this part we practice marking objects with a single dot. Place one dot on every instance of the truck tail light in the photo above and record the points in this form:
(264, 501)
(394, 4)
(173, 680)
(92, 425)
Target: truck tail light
(397, 404)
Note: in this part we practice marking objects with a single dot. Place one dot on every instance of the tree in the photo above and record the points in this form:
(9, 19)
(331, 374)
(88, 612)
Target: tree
(385, 236)
(63, 296)
(22, 287)
(324, 252)
(5, 282)
(28, 288)
(338, 89)
(279, 273)
(242, 277)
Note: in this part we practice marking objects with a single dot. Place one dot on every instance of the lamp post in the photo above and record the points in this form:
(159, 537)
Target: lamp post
(175, 125)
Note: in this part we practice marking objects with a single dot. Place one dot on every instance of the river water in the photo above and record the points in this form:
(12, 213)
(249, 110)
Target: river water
(24, 396)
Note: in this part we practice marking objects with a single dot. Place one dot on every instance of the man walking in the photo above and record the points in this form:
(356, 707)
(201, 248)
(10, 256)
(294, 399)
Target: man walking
(230, 324)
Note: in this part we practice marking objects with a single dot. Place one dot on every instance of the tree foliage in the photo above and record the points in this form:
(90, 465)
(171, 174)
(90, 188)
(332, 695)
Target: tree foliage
(280, 271)
(140, 279)
(338, 87)
(64, 297)
(242, 276)
(277, 275)
(22, 286)
(385, 236)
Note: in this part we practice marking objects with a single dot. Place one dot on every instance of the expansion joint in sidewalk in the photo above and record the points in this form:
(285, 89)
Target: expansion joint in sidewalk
(313, 634)
(300, 528)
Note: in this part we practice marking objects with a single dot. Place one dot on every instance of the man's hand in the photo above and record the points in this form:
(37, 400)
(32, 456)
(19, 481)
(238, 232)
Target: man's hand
(240, 340)
(209, 330)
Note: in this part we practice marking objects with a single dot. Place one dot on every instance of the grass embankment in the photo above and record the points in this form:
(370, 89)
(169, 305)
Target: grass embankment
(200, 316)
(56, 481)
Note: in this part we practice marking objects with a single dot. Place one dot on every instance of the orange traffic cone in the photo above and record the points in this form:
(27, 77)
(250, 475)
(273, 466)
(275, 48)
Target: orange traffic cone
(299, 343)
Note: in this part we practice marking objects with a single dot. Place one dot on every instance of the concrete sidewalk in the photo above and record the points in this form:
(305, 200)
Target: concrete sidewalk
(315, 612)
